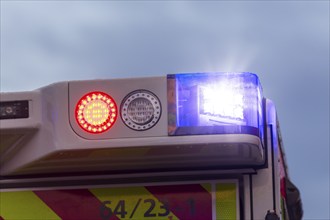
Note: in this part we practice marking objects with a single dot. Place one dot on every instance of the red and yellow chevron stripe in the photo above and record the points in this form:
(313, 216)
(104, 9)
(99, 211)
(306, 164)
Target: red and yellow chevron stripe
(155, 202)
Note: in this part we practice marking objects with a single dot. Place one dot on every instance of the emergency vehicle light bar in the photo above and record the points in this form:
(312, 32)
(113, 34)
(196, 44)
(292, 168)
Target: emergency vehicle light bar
(201, 121)
(214, 103)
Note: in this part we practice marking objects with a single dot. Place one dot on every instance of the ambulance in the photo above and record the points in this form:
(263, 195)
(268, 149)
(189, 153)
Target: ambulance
(191, 146)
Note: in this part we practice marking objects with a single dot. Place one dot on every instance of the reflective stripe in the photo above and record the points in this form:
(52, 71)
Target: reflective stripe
(215, 200)
(72, 203)
(226, 201)
(24, 205)
(185, 201)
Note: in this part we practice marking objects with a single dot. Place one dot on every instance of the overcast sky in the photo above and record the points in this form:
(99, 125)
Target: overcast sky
(285, 43)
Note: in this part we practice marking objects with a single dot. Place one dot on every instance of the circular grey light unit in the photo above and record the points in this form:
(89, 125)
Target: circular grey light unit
(140, 110)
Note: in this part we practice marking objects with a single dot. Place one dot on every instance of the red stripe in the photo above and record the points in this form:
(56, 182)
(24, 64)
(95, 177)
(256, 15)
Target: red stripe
(75, 204)
(1, 218)
(185, 201)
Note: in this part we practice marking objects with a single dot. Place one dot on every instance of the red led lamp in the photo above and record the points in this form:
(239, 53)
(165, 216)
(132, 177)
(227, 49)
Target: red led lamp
(96, 112)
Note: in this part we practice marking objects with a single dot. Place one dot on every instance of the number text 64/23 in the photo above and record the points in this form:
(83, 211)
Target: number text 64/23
(152, 208)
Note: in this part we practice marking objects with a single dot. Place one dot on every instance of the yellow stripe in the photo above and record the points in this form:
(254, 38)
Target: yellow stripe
(125, 200)
(24, 205)
(226, 201)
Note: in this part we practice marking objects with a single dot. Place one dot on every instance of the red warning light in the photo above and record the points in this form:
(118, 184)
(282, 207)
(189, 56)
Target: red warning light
(96, 112)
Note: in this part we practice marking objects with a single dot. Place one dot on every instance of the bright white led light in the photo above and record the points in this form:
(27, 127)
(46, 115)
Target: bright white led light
(140, 110)
(222, 100)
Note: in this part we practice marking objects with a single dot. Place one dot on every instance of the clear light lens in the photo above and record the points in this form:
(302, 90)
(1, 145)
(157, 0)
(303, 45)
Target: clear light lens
(208, 103)
(140, 110)
(96, 112)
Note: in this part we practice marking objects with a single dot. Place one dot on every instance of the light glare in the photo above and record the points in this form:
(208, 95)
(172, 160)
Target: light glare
(222, 100)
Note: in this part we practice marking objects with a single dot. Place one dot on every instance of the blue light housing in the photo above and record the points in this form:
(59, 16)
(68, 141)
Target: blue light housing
(214, 103)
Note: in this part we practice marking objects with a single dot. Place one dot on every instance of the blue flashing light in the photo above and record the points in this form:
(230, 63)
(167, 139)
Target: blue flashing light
(214, 103)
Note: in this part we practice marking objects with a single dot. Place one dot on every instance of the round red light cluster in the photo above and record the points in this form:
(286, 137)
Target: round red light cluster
(96, 112)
